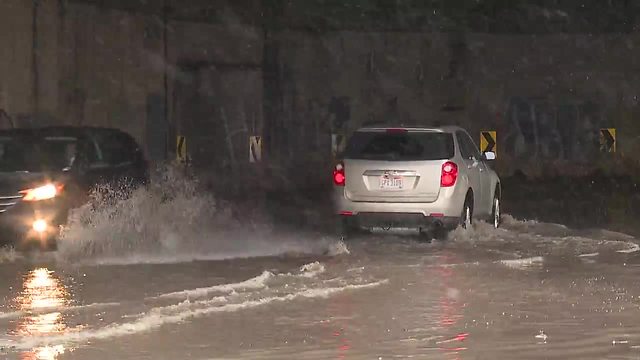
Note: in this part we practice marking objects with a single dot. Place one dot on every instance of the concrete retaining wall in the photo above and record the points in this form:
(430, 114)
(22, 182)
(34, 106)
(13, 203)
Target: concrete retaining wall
(81, 63)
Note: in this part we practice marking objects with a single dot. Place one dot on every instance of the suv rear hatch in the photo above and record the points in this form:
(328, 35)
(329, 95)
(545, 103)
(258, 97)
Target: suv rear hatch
(396, 165)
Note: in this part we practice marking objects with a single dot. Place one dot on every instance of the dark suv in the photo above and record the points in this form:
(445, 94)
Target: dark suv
(45, 172)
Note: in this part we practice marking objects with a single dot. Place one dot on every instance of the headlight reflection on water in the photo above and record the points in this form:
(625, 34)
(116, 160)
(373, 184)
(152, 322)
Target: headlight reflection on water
(41, 298)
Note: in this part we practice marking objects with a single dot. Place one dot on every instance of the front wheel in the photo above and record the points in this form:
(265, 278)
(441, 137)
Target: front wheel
(496, 215)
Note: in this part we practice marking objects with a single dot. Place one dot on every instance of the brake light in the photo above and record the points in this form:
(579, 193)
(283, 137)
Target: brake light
(449, 174)
(339, 178)
(45, 192)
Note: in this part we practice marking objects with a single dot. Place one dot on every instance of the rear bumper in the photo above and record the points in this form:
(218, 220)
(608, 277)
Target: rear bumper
(449, 204)
(444, 212)
(400, 220)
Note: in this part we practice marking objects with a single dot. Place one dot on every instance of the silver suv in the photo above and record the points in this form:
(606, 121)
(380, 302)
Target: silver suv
(418, 178)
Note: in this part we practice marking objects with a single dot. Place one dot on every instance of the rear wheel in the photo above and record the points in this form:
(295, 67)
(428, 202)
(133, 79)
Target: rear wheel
(345, 228)
(466, 220)
(425, 234)
(496, 214)
(434, 233)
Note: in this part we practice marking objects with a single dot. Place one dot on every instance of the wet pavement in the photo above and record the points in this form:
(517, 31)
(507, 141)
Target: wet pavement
(527, 291)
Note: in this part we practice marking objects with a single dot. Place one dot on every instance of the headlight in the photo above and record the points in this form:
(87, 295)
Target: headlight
(40, 226)
(44, 192)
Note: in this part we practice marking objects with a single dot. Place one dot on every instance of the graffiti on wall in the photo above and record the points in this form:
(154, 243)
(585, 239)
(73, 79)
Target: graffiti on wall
(541, 129)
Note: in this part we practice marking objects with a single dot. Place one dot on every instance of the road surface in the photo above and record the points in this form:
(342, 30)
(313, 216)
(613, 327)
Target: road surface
(145, 281)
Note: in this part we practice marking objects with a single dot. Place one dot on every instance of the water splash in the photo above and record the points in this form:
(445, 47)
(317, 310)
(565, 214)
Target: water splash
(172, 314)
(8, 255)
(174, 220)
(528, 239)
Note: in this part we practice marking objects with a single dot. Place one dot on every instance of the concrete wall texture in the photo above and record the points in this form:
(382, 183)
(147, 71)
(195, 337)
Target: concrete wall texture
(67, 62)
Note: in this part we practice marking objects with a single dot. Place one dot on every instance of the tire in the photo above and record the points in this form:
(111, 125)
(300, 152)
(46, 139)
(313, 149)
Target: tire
(434, 233)
(466, 218)
(345, 228)
(425, 234)
(496, 211)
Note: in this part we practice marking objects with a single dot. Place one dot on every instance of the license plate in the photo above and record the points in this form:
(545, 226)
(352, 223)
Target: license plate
(391, 182)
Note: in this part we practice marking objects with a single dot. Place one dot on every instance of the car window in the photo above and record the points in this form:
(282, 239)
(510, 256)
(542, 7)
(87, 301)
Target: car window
(115, 148)
(467, 148)
(462, 145)
(132, 147)
(472, 146)
(35, 153)
(90, 151)
(399, 146)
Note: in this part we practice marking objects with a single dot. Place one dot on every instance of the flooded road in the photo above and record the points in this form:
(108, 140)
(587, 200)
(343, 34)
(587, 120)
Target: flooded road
(526, 291)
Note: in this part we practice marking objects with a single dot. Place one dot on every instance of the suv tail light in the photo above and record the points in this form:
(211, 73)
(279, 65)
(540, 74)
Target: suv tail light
(449, 174)
(339, 178)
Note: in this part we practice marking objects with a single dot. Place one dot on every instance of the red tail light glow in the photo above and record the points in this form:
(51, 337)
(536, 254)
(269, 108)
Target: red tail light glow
(339, 178)
(449, 174)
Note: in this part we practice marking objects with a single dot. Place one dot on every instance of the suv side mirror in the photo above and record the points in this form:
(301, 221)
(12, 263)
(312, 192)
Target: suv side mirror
(489, 155)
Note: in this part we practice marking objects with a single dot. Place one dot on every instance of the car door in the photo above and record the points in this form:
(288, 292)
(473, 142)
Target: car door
(485, 177)
(137, 166)
(78, 180)
(118, 156)
(88, 165)
(472, 168)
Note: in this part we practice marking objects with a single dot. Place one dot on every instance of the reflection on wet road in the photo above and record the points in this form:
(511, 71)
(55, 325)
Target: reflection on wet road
(42, 295)
(527, 291)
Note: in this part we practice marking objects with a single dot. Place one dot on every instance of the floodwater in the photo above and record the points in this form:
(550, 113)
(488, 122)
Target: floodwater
(120, 287)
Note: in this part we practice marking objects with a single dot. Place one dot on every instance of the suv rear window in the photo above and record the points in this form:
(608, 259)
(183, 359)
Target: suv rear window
(400, 146)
